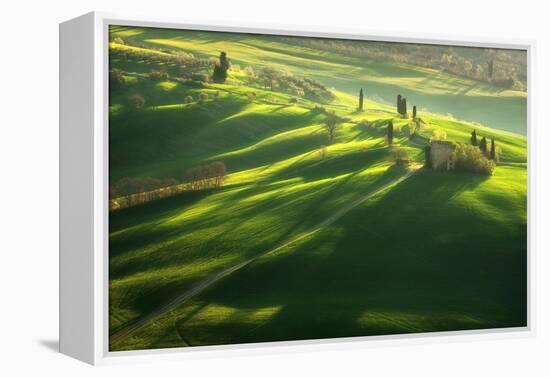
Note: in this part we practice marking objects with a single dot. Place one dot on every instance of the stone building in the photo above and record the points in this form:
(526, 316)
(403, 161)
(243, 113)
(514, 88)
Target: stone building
(441, 154)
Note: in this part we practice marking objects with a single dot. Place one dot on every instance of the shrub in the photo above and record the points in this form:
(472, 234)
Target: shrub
(203, 96)
(250, 72)
(188, 100)
(116, 77)
(470, 159)
(293, 100)
(136, 101)
(252, 96)
(199, 77)
(119, 40)
(158, 75)
(319, 109)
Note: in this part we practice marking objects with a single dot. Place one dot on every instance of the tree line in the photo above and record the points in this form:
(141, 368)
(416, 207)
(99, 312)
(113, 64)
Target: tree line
(131, 191)
(207, 176)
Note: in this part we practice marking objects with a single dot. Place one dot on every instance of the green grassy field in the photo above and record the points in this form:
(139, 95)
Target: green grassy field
(345, 244)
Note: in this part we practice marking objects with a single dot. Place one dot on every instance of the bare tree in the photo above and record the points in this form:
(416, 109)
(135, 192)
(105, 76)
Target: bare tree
(331, 124)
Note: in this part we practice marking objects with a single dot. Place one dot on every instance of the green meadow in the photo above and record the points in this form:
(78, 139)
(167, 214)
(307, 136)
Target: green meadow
(307, 238)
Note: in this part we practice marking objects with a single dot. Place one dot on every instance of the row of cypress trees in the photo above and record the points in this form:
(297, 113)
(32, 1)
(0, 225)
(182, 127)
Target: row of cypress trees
(482, 144)
(401, 105)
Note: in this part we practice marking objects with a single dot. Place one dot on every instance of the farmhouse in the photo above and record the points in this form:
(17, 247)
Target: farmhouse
(441, 154)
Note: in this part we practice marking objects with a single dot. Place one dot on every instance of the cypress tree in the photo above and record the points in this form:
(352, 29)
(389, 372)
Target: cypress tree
(404, 107)
(473, 139)
(361, 100)
(414, 112)
(483, 145)
(493, 151)
(390, 133)
(490, 65)
(220, 69)
(399, 104)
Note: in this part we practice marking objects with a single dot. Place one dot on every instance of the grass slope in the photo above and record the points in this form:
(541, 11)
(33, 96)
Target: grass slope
(435, 91)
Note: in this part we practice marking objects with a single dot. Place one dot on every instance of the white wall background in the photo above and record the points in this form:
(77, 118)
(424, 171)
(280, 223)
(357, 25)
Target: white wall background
(29, 189)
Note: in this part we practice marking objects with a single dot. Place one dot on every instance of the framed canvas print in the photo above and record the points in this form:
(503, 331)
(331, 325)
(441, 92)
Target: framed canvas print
(249, 187)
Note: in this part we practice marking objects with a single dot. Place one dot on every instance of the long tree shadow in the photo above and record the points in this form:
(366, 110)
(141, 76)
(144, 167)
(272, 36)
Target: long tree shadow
(311, 203)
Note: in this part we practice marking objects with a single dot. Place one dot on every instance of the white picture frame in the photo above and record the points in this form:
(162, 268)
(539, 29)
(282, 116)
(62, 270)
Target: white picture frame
(84, 190)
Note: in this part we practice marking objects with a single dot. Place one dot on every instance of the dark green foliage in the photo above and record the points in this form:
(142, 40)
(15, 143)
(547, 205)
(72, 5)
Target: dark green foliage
(401, 106)
(490, 66)
(389, 134)
(468, 158)
(414, 112)
(220, 69)
(361, 100)
(483, 145)
(399, 103)
(492, 154)
(428, 156)
(473, 138)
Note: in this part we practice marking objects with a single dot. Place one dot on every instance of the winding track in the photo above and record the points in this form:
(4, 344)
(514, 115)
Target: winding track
(217, 276)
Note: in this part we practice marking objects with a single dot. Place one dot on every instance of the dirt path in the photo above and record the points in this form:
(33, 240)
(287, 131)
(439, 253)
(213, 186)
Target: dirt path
(217, 276)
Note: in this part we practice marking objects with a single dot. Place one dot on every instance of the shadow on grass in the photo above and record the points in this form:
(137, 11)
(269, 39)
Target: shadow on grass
(408, 262)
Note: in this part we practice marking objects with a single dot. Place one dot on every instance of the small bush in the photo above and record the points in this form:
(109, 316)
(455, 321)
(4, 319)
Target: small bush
(199, 77)
(250, 72)
(158, 75)
(119, 41)
(116, 77)
(203, 97)
(188, 100)
(293, 100)
(136, 101)
(364, 123)
(252, 96)
(319, 109)
(470, 159)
